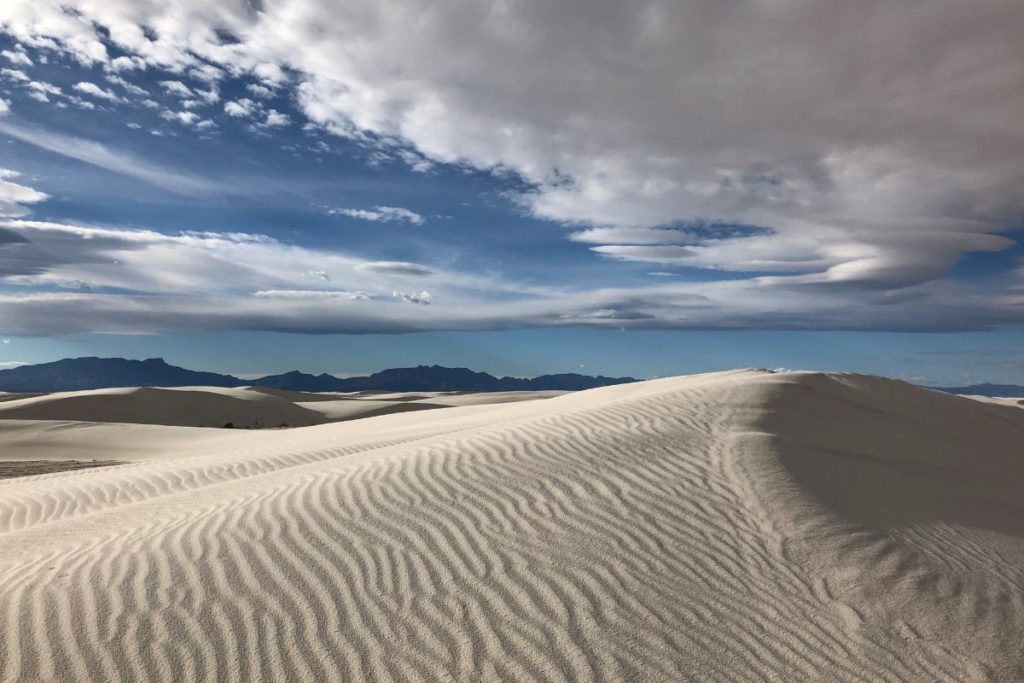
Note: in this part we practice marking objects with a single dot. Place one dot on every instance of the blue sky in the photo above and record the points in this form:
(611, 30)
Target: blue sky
(253, 188)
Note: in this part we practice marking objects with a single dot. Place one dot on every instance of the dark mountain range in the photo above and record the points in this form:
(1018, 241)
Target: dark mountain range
(74, 374)
(298, 381)
(1005, 390)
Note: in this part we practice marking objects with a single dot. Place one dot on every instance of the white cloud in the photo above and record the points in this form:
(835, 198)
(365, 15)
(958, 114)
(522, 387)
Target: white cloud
(41, 91)
(240, 108)
(15, 74)
(126, 63)
(78, 102)
(96, 91)
(188, 118)
(270, 73)
(209, 96)
(129, 87)
(14, 197)
(5, 106)
(381, 214)
(207, 73)
(177, 88)
(276, 119)
(260, 91)
(423, 297)
(16, 57)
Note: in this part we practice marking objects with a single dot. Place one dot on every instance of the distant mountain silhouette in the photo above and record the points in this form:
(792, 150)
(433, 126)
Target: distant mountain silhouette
(74, 374)
(1006, 390)
(298, 381)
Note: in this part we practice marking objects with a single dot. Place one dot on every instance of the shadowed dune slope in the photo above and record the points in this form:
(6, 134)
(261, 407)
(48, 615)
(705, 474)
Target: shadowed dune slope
(198, 407)
(724, 527)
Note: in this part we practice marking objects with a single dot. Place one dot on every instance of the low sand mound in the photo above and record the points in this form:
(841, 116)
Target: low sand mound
(724, 527)
(352, 409)
(487, 398)
(241, 407)
(194, 407)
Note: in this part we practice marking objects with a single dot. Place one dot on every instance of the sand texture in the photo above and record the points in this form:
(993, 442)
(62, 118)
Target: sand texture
(738, 526)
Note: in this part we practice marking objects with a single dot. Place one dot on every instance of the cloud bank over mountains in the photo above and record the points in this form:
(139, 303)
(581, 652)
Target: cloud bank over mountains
(834, 159)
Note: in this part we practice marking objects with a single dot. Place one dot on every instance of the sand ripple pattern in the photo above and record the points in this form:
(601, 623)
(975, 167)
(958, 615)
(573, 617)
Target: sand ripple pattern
(619, 534)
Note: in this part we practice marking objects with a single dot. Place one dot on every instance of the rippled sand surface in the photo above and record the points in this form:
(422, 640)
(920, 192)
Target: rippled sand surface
(734, 526)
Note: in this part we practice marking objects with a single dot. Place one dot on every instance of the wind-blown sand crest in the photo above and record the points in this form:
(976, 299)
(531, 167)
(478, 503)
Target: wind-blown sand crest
(733, 526)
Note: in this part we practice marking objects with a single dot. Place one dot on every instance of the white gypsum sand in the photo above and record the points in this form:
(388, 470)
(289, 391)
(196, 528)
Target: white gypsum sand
(733, 526)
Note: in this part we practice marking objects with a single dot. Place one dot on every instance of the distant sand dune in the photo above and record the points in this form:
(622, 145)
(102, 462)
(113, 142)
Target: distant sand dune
(723, 527)
(243, 407)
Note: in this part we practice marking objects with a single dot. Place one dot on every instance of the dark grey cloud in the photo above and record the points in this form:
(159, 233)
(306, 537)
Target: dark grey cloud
(395, 268)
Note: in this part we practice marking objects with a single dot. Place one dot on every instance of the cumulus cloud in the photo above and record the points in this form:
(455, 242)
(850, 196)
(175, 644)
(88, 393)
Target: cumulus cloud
(240, 108)
(275, 119)
(126, 63)
(177, 88)
(381, 214)
(41, 91)
(96, 91)
(207, 73)
(16, 57)
(187, 118)
(14, 75)
(5, 106)
(260, 91)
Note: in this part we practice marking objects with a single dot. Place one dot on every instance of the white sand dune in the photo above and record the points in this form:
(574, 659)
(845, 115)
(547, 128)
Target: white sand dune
(198, 407)
(725, 527)
(246, 407)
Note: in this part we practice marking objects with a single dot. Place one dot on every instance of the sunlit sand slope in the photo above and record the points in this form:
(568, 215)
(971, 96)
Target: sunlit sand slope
(724, 527)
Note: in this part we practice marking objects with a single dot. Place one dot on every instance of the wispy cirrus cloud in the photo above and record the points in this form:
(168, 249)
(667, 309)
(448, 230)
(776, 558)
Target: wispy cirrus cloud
(100, 155)
(382, 214)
